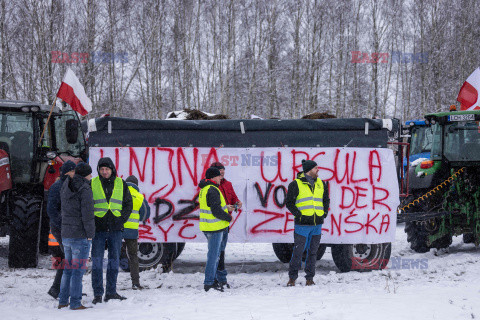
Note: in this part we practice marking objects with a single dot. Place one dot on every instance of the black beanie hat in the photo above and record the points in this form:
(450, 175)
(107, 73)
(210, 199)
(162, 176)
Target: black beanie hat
(83, 169)
(132, 179)
(217, 165)
(67, 167)
(308, 165)
(212, 172)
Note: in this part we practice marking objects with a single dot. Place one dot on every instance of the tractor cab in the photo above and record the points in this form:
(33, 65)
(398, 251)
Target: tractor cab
(456, 137)
(33, 166)
(21, 125)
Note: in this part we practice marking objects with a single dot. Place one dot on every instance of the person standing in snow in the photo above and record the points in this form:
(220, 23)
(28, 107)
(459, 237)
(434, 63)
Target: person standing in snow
(113, 206)
(307, 199)
(78, 229)
(214, 222)
(55, 214)
(140, 212)
(231, 199)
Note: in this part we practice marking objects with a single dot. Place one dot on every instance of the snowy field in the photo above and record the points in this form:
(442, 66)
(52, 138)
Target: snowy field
(448, 287)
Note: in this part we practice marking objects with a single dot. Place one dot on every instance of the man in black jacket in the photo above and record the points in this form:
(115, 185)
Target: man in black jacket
(112, 206)
(55, 215)
(308, 201)
(214, 220)
(78, 229)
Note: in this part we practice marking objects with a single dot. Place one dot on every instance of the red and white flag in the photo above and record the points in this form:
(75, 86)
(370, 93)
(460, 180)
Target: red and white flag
(468, 95)
(73, 93)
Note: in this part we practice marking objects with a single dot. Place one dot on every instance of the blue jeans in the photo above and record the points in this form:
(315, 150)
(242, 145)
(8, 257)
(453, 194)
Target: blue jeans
(75, 265)
(217, 241)
(114, 242)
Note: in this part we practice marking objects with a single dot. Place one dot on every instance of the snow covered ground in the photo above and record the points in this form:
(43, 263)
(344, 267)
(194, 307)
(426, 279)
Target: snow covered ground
(448, 287)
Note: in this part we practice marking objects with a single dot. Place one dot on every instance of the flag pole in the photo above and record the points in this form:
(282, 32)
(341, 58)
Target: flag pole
(48, 119)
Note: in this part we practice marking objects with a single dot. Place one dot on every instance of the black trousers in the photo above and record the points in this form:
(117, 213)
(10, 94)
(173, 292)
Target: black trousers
(313, 242)
(132, 254)
(58, 276)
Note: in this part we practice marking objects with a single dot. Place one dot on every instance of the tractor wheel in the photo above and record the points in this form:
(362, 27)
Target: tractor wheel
(151, 254)
(443, 242)
(284, 251)
(468, 238)
(24, 231)
(361, 257)
(417, 236)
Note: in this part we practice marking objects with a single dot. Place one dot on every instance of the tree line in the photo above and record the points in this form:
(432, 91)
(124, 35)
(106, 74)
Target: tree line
(271, 58)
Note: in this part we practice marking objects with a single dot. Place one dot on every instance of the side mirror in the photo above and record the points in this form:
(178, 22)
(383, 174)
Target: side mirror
(71, 131)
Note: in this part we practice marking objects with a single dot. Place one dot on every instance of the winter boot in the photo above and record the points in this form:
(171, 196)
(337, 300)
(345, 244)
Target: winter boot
(222, 284)
(97, 299)
(214, 286)
(82, 307)
(310, 282)
(291, 283)
(114, 296)
(61, 306)
(137, 286)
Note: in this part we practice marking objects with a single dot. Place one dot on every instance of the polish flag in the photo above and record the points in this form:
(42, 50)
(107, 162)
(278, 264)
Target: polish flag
(73, 93)
(468, 95)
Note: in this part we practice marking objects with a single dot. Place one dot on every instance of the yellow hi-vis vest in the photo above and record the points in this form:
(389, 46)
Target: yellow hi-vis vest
(100, 204)
(208, 222)
(307, 202)
(133, 220)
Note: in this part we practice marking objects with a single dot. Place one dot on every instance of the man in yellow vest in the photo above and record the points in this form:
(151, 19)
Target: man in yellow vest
(140, 213)
(214, 220)
(308, 201)
(112, 204)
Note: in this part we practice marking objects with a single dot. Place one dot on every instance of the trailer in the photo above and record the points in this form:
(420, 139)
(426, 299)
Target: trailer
(261, 158)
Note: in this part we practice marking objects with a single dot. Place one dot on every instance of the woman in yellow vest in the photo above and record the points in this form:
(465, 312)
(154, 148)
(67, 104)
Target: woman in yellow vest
(308, 201)
(214, 219)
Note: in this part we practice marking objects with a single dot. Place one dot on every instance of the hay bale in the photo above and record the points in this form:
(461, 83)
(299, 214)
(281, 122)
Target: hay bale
(318, 115)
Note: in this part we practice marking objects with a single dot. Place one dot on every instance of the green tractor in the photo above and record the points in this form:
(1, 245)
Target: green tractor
(446, 187)
(28, 167)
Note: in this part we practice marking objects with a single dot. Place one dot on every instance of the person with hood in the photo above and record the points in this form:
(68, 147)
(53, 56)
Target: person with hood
(78, 229)
(307, 199)
(140, 212)
(231, 198)
(112, 207)
(214, 221)
(55, 214)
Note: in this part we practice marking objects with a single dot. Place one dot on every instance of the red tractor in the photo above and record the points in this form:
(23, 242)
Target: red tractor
(28, 167)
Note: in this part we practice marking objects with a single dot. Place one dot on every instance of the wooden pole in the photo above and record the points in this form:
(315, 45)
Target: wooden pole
(48, 119)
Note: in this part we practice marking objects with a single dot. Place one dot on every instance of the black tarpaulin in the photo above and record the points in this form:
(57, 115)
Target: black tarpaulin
(228, 133)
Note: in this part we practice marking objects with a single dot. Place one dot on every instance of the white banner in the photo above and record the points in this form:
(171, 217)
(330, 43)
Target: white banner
(363, 190)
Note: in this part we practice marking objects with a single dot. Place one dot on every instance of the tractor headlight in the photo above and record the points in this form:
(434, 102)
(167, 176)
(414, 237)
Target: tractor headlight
(51, 155)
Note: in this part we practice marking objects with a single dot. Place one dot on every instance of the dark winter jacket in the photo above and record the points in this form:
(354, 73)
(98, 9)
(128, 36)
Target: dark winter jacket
(109, 222)
(144, 213)
(292, 194)
(53, 205)
(214, 202)
(78, 219)
(228, 192)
